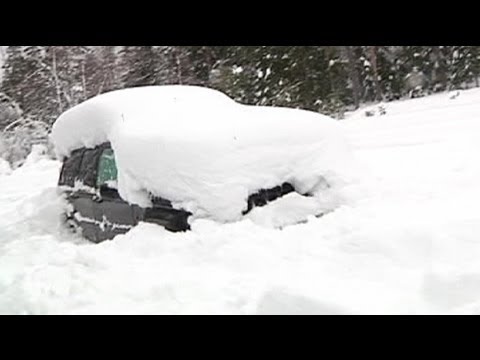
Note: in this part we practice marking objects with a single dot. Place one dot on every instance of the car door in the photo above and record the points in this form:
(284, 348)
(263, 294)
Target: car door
(78, 194)
(114, 214)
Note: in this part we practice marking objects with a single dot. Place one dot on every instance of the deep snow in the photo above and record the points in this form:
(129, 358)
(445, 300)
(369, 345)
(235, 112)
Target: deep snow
(206, 153)
(404, 242)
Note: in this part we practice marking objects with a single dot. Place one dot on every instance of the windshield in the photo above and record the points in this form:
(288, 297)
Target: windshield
(107, 170)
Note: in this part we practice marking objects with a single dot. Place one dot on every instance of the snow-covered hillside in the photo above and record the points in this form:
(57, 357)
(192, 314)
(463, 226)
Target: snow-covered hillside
(406, 242)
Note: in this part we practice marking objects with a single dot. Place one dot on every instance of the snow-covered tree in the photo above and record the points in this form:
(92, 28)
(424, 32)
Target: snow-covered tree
(44, 81)
(20, 137)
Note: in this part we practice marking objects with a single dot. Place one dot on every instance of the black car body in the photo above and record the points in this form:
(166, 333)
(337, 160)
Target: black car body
(88, 179)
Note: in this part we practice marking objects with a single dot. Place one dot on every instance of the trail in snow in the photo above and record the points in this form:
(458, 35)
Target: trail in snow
(406, 243)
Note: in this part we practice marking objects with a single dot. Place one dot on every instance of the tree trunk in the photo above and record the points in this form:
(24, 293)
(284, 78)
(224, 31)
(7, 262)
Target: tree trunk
(84, 81)
(372, 52)
(353, 75)
(178, 65)
(56, 80)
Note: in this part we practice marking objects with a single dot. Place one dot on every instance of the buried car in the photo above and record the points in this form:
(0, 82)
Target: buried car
(170, 154)
(89, 180)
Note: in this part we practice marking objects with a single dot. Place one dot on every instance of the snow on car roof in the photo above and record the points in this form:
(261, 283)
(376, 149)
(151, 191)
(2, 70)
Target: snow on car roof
(200, 149)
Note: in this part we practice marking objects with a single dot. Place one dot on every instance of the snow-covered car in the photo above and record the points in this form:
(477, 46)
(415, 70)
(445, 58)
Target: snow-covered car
(97, 209)
(169, 154)
(88, 178)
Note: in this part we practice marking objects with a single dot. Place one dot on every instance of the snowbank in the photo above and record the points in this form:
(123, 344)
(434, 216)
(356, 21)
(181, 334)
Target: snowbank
(5, 168)
(409, 247)
(203, 151)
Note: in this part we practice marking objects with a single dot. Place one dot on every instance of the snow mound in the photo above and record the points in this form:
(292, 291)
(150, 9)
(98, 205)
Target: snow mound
(5, 168)
(282, 302)
(203, 151)
(408, 247)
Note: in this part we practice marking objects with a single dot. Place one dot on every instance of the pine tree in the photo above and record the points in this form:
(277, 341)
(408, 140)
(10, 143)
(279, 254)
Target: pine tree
(139, 66)
(463, 65)
(100, 71)
(391, 77)
(200, 63)
(353, 74)
(29, 81)
(475, 51)
(9, 111)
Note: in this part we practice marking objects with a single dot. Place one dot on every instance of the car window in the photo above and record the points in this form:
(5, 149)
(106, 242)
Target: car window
(107, 169)
(88, 168)
(70, 169)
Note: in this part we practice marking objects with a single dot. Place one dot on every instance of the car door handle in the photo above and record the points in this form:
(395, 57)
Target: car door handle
(97, 199)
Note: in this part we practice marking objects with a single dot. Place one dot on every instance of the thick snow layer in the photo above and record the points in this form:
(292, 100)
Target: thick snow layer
(5, 168)
(407, 245)
(203, 151)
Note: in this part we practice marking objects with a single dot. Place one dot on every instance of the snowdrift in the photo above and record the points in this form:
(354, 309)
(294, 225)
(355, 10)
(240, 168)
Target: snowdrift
(408, 247)
(205, 152)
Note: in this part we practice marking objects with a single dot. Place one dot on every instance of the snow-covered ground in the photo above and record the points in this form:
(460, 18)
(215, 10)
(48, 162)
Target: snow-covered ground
(406, 242)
